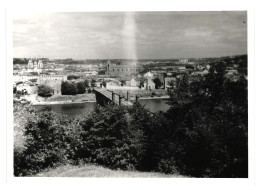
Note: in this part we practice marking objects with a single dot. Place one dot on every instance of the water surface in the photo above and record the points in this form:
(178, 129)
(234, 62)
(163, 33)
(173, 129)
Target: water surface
(72, 110)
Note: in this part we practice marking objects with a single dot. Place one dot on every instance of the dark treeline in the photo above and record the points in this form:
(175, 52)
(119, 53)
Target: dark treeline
(73, 88)
(204, 133)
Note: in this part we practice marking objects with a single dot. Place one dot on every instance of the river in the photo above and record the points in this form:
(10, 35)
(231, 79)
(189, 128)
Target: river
(72, 110)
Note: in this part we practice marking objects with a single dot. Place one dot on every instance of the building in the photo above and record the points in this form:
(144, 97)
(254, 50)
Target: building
(183, 61)
(53, 81)
(112, 85)
(148, 75)
(123, 68)
(27, 87)
(89, 73)
(23, 78)
(149, 84)
(35, 66)
(132, 82)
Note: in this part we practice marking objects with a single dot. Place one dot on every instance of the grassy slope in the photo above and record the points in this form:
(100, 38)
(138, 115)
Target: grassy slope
(98, 171)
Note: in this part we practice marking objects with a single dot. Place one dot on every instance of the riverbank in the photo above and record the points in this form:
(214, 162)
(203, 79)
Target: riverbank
(154, 97)
(60, 102)
(144, 94)
(65, 99)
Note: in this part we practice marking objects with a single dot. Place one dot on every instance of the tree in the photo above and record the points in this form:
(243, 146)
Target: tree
(33, 80)
(81, 88)
(209, 125)
(104, 84)
(93, 83)
(86, 83)
(157, 82)
(71, 77)
(72, 88)
(45, 91)
(68, 88)
(141, 83)
(64, 88)
(18, 94)
(123, 82)
(102, 72)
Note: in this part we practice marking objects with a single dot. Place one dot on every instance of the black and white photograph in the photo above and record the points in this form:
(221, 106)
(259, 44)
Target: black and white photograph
(140, 94)
(129, 95)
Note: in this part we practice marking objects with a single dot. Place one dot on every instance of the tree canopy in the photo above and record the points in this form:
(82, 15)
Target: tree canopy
(45, 91)
(157, 82)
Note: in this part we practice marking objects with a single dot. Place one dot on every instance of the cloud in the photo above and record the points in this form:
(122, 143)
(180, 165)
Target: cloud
(130, 35)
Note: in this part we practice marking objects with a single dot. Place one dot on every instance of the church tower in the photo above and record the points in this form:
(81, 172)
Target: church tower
(40, 64)
(35, 63)
(30, 64)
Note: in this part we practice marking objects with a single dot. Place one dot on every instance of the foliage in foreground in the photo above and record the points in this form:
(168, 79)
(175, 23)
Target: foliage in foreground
(204, 134)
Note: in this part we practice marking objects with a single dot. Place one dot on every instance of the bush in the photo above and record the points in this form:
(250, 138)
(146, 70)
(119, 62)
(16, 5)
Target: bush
(93, 83)
(81, 89)
(86, 82)
(157, 82)
(48, 142)
(209, 123)
(45, 91)
(108, 138)
(69, 88)
(71, 77)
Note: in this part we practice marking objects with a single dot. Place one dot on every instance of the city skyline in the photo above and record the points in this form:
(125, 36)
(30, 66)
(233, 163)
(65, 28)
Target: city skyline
(130, 35)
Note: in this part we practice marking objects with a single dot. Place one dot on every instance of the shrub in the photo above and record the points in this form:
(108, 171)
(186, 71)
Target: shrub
(209, 120)
(109, 138)
(81, 89)
(45, 91)
(71, 77)
(86, 82)
(46, 144)
(68, 88)
(157, 82)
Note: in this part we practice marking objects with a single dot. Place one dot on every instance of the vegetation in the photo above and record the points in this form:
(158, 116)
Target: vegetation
(86, 82)
(204, 133)
(209, 133)
(81, 88)
(45, 91)
(97, 171)
(104, 84)
(93, 83)
(33, 80)
(157, 82)
(141, 83)
(69, 88)
(102, 72)
(71, 77)
(20, 61)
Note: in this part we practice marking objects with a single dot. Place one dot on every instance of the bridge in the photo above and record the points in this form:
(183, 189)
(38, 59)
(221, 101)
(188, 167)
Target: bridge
(104, 96)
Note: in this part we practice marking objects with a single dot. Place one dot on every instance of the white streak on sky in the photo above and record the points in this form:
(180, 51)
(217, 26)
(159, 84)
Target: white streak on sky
(129, 35)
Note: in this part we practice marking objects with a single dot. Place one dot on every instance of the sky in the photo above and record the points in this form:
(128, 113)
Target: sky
(130, 35)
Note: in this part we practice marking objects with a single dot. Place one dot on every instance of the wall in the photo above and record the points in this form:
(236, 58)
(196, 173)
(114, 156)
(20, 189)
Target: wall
(123, 69)
(122, 88)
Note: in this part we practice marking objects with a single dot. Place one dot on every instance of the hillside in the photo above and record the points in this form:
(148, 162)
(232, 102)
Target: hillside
(98, 171)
